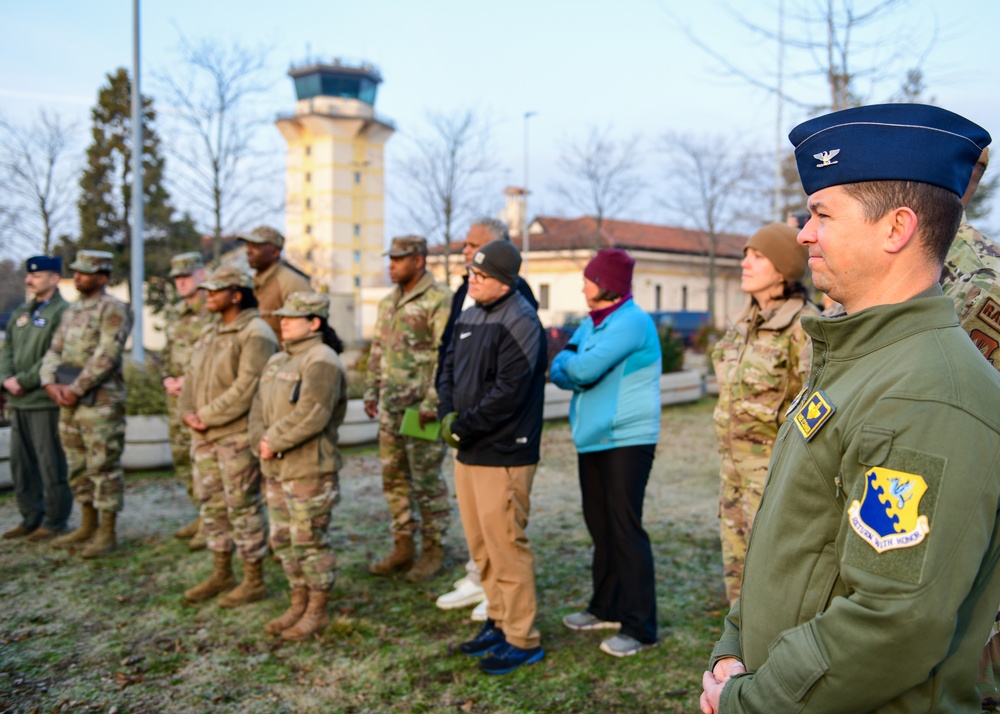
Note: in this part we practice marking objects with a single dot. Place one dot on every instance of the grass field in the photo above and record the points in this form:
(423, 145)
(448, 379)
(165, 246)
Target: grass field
(115, 635)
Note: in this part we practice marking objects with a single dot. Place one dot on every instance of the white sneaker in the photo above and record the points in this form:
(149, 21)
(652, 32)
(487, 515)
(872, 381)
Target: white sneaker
(479, 614)
(466, 593)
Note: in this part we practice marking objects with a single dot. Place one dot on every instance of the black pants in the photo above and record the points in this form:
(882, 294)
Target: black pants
(613, 484)
(38, 468)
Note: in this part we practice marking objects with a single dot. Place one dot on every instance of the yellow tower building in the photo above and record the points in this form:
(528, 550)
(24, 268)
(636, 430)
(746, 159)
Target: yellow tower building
(335, 185)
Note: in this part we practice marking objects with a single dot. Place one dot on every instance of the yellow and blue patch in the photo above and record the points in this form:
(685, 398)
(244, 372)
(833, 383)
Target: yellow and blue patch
(888, 515)
(814, 414)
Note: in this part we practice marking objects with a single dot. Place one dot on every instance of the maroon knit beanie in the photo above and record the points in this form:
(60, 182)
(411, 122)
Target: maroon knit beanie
(611, 269)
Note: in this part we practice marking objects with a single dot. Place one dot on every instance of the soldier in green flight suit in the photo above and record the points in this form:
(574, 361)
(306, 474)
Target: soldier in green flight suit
(871, 576)
(82, 373)
(185, 321)
(38, 463)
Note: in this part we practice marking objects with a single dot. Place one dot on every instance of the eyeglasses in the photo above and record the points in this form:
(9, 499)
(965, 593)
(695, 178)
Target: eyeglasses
(477, 276)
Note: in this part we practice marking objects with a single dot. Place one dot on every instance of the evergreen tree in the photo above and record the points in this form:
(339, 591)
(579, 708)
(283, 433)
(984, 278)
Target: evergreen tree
(106, 185)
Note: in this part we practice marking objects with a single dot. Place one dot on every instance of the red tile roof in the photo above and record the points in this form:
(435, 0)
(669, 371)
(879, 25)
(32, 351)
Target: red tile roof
(568, 233)
(576, 233)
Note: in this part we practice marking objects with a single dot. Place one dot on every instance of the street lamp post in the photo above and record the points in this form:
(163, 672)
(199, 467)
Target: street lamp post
(138, 258)
(525, 241)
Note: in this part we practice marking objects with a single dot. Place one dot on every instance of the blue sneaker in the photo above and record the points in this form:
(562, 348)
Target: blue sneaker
(489, 638)
(508, 657)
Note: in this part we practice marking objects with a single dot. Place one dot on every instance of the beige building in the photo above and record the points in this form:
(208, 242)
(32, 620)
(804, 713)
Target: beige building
(671, 266)
(335, 186)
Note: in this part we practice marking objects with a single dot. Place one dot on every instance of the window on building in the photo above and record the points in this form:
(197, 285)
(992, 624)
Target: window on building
(357, 229)
(357, 256)
(357, 177)
(309, 150)
(684, 298)
(309, 255)
(309, 177)
(309, 203)
(357, 281)
(309, 228)
(658, 299)
(543, 296)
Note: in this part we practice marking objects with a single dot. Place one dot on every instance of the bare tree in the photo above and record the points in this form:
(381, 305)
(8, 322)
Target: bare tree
(447, 170)
(212, 96)
(601, 176)
(713, 187)
(36, 180)
(845, 42)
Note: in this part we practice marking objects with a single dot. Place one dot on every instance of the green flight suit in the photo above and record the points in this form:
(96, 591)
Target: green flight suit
(870, 582)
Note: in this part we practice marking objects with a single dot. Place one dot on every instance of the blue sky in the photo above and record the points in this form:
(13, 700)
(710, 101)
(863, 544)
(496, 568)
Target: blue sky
(625, 65)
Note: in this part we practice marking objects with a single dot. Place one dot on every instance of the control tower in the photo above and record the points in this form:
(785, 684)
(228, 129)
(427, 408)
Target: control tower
(335, 184)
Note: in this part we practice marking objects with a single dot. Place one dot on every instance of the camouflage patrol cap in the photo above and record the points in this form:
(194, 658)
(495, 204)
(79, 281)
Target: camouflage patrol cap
(227, 276)
(407, 245)
(264, 234)
(93, 261)
(305, 304)
(186, 264)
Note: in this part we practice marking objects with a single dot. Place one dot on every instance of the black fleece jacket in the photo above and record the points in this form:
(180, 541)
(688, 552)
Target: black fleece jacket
(494, 377)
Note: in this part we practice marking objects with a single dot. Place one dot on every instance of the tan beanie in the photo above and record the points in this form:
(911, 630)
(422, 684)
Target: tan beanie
(777, 242)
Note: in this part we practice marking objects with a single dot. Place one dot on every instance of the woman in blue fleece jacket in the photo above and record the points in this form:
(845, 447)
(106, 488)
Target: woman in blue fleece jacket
(613, 365)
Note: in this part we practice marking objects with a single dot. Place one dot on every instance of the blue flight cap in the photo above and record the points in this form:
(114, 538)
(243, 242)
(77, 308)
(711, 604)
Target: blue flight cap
(888, 142)
(39, 263)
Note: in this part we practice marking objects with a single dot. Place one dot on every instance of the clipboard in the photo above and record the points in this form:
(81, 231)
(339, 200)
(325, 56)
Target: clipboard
(410, 426)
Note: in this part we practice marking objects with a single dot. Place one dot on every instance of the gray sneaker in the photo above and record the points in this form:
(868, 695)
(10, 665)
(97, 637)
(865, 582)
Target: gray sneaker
(587, 621)
(623, 646)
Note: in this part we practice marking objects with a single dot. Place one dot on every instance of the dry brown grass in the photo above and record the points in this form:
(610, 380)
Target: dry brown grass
(78, 636)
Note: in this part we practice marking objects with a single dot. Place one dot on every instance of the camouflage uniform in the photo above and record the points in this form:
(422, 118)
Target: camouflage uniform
(219, 387)
(971, 277)
(299, 406)
(185, 323)
(92, 338)
(761, 364)
(274, 285)
(401, 372)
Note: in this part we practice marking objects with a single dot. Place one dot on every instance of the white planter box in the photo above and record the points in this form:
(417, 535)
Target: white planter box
(147, 440)
(147, 443)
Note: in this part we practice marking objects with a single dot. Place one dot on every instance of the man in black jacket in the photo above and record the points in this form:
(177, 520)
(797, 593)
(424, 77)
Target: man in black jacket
(491, 394)
(468, 589)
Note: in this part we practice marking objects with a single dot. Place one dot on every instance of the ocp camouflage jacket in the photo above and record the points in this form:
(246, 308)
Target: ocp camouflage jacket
(404, 354)
(761, 363)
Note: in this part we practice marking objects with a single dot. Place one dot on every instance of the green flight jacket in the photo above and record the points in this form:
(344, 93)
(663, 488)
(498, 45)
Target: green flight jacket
(863, 591)
(28, 339)
(225, 372)
(303, 431)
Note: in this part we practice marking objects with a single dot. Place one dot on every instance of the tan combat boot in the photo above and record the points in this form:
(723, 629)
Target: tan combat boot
(198, 541)
(250, 589)
(88, 526)
(401, 557)
(300, 598)
(219, 581)
(105, 540)
(429, 563)
(188, 531)
(315, 619)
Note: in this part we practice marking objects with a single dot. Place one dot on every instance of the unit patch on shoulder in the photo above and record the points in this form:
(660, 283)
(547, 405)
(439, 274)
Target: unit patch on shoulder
(814, 414)
(887, 516)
